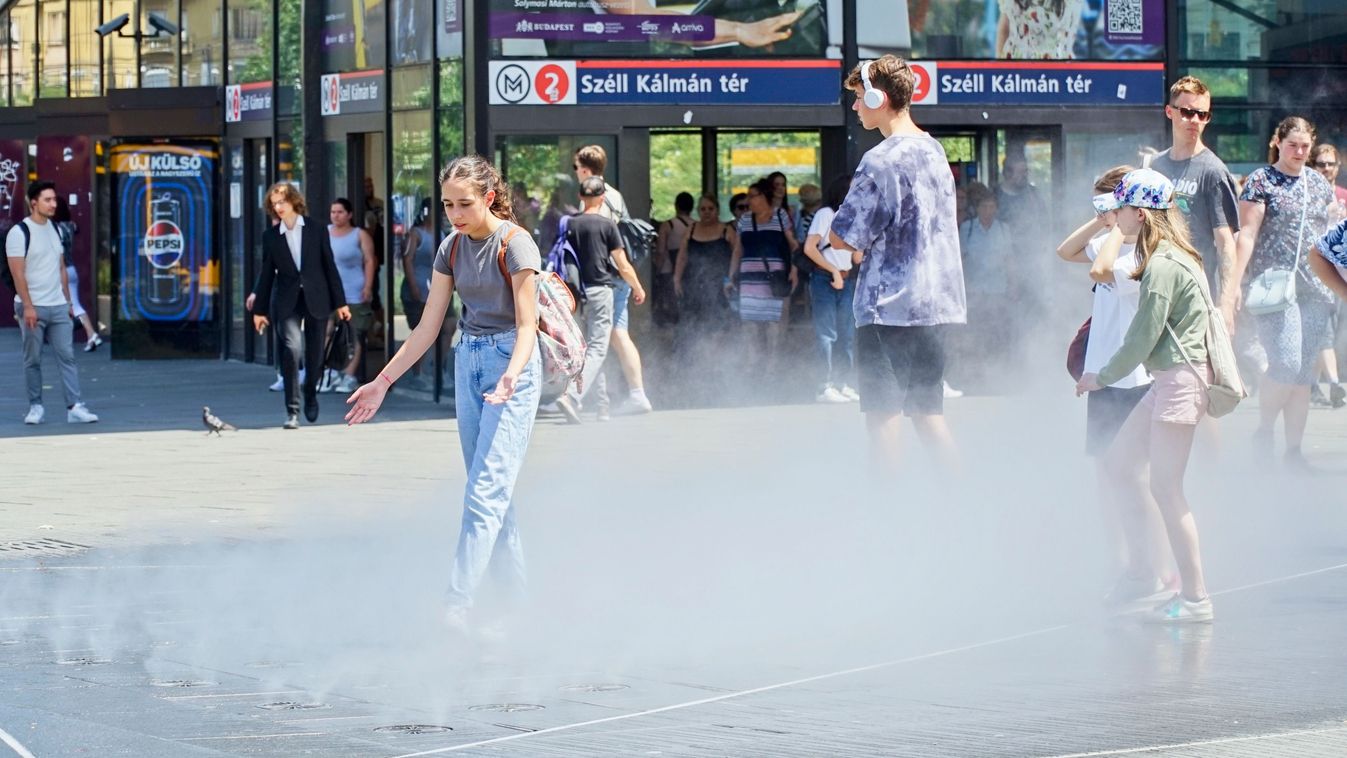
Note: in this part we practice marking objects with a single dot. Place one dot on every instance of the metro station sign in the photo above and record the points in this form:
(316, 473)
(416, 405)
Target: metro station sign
(1063, 83)
(667, 82)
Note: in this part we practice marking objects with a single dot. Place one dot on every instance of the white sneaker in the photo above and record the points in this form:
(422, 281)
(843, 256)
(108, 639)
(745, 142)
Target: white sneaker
(35, 414)
(850, 393)
(347, 384)
(278, 385)
(331, 377)
(456, 622)
(950, 392)
(635, 405)
(830, 394)
(1180, 610)
(93, 343)
(78, 414)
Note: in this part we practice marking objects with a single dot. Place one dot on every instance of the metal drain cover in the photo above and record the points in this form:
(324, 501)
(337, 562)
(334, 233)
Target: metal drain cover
(506, 707)
(181, 683)
(84, 660)
(290, 705)
(24, 548)
(413, 729)
(593, 687)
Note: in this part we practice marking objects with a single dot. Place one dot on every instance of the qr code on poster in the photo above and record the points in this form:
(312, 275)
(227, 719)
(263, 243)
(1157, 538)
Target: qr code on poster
(1124, 17)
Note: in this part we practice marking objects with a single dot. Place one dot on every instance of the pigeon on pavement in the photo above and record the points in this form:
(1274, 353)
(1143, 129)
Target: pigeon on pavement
(213, 422)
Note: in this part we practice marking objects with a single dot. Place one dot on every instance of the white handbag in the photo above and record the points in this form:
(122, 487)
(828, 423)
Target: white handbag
(1274, 290)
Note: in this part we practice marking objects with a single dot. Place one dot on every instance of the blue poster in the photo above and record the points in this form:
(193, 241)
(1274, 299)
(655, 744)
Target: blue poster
(1037, 83)
(163, 225)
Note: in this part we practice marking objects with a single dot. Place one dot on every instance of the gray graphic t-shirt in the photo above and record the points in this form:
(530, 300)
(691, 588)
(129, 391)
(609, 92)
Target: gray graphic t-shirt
(1205, 192)
(900, 214)
(488, 298)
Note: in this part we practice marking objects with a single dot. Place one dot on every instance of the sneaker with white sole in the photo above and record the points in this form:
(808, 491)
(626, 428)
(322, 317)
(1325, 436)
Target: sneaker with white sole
(328, 383)
(1180, 610)
(277, 385)
(347, 384)
(1132, 593)
(831, 394)
(78, 414)
(93, 343)
(35, 414)
(568, 409)
(950, 392)
(850, 394)
(635, 405)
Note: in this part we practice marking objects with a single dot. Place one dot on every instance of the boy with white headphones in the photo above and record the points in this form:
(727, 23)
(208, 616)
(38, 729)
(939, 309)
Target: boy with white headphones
(900, 222)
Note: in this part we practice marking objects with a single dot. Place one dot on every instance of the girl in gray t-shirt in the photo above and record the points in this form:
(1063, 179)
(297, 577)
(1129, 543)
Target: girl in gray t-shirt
(491, 264)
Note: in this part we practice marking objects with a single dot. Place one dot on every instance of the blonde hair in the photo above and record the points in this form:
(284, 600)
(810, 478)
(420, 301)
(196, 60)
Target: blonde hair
(1190, 84)
(292, 196)
(593, 157)
(1111, 179)
(1159, 227)
(483, 177)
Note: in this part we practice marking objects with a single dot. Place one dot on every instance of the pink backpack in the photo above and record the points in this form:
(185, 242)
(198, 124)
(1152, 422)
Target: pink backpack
(561, 342)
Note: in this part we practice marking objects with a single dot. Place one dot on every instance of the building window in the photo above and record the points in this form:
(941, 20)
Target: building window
(85, 75)
(120, 52)
(201, 43)
(159, 56)
(250, 41)
(1264, 30)
(23, 51)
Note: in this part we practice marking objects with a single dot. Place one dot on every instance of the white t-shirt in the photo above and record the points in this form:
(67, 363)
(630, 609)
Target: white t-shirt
(1115, 305)
(44, 265)
(823, 221)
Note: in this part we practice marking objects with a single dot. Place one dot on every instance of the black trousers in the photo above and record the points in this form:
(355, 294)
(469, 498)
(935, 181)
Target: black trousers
(301, 333)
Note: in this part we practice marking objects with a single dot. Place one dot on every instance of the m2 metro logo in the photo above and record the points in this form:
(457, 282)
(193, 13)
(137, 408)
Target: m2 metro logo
(533, 82)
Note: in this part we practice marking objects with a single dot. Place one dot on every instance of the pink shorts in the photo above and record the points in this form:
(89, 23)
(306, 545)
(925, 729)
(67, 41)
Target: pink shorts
(1177, 396)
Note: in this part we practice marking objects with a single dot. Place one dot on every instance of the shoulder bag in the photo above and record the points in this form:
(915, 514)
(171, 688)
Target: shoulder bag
(779, 281)
(1274, 290)
(1226, 388)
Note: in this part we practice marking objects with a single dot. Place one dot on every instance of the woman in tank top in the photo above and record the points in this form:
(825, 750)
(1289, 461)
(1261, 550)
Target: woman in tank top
(498, 367)
(700, 264)
(353, 252)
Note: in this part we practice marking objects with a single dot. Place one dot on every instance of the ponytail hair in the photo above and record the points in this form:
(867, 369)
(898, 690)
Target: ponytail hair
(1284, 129)
(1111, 179)
(1159, 227)
(483, 177)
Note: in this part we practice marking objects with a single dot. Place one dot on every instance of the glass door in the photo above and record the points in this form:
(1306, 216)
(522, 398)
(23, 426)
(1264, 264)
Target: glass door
(541, 176)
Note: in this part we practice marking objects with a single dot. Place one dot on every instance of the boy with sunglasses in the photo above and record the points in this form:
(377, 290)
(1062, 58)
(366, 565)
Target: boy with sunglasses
(1204, 190)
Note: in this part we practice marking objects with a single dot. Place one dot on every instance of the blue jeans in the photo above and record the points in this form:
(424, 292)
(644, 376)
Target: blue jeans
(835, 326)
(494, 439)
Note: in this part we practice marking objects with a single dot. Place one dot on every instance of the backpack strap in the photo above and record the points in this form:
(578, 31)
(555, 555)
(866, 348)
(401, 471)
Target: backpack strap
(453, 253)
(505, 243)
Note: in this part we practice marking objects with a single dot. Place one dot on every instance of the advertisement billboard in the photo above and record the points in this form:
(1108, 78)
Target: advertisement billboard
(644, 28)
(1104, 30)
(164, 229)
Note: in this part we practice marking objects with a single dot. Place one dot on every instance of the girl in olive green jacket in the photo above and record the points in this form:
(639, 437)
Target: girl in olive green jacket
(1167, 334)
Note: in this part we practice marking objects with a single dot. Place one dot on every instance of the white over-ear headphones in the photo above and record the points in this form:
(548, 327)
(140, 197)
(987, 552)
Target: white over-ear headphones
(874, 98)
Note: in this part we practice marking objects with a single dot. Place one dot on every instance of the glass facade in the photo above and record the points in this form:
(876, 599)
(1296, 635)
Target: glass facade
(399, 73)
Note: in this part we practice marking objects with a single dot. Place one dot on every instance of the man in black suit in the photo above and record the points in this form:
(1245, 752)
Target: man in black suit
(297, 259)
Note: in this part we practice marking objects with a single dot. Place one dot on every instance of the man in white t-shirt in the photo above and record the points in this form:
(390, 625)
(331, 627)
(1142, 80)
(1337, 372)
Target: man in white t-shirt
(42, 303)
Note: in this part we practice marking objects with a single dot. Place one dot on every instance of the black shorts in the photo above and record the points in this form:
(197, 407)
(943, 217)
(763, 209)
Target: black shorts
(901, 369)
(1105, 412)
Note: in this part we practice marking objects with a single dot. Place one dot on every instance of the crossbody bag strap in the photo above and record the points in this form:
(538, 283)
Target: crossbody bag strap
(1210, 307)
(1304, 210)
(766, 267)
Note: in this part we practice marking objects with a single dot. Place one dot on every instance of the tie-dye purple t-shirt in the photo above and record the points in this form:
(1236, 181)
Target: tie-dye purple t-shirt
(900, 213)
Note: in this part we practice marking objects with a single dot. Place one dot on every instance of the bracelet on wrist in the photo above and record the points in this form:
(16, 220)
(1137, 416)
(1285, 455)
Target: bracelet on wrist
(384, 376)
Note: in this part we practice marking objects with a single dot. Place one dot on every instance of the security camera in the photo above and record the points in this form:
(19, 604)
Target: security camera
(113, 26)
(161, 24)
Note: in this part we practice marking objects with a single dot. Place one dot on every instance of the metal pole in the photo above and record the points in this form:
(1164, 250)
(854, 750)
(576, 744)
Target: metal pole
(850, 57)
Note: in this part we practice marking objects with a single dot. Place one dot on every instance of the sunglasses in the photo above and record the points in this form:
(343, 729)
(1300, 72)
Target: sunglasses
(1193, 114)
(1326, 164)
